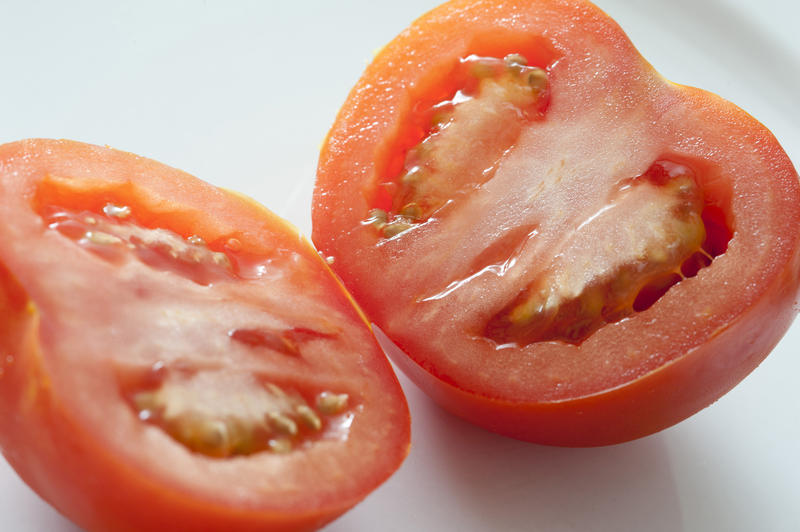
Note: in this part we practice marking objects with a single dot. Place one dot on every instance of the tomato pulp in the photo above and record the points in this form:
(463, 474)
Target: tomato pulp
(176, 357)
(568, 248)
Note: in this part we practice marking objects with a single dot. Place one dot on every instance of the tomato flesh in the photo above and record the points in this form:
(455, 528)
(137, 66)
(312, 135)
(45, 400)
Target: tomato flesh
(180, 354)
(616, 263)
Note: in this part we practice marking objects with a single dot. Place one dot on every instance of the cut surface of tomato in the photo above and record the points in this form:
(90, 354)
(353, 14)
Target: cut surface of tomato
(176, 357)
(568, 248)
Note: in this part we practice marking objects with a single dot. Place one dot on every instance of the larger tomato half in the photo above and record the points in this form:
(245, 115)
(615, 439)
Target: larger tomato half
(568, 248)
(175, 357)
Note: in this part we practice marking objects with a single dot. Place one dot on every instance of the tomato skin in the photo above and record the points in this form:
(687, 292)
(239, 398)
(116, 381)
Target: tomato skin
(65, 426)
(687, 361)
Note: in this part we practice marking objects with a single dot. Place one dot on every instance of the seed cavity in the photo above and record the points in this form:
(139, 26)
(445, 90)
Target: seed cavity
(114, 236)
(222, 413)
(281, 341)
(466, 136)
(651, 235)
(286, 341)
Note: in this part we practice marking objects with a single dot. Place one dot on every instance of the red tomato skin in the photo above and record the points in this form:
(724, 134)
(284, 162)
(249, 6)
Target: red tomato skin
(659, 397)
(46, 438)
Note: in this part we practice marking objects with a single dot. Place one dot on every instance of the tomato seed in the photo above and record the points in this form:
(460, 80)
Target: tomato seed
(282, 424)
(214, 435)
(307, 416)
(117, 211)
(330, 403)
(102, 239)
(397, 226)
(515, 59)
(280, 446)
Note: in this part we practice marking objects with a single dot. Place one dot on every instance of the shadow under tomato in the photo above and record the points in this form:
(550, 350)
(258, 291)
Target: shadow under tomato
(21, 510)
(459, 477)
(502, 484)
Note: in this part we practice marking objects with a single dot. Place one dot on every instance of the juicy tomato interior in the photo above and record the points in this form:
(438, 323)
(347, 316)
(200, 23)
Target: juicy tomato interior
(197, 406)
(184, 346)
(487, 100)
(584, 237)
(652, 231)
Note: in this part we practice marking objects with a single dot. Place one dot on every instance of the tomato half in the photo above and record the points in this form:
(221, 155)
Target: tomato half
(568, 248)
(175, 356)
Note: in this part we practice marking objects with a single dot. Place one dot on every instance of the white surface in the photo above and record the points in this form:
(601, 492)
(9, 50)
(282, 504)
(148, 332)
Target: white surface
(241, 94)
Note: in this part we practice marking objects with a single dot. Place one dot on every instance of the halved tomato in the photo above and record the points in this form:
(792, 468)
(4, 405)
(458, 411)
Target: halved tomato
(176, 357)
(568, 248)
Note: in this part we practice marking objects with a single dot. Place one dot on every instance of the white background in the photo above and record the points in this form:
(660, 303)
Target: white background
(242, 93)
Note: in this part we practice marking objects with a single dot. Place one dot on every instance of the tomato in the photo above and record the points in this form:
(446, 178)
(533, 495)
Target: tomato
(566, 247)
(175, 356)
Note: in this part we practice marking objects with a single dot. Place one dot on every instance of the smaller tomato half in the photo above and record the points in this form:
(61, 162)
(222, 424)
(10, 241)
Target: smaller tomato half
(568, 248)
(176, 357)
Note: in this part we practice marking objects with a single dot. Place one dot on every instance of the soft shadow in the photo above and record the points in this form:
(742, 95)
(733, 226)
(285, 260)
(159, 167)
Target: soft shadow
(723, 41)
(462, 478)
(504, 484)
(21, 510)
